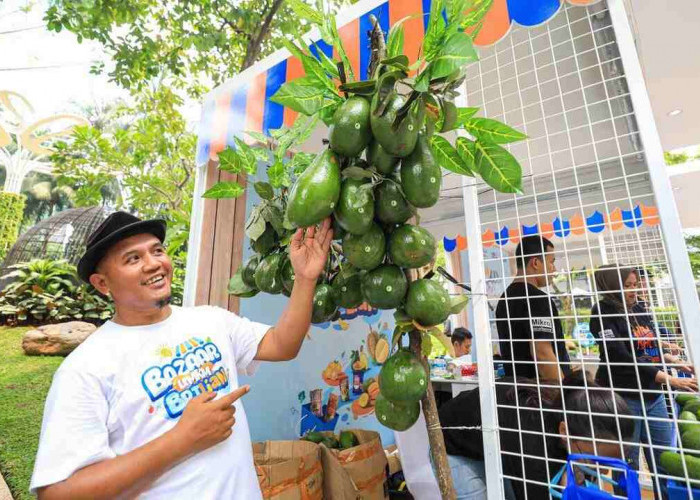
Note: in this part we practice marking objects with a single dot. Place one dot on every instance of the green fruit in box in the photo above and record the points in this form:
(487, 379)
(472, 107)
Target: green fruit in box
(348, 440)
(315, 193)
(691, 440)
(249, 267)
(365, 251)
(692, 406)
(398, 416)
(403, 377)
(427, 302)
(401, 140)
(685, 397)
(672, 463)
(350, 131)
(687, 421)
(421, 177)
(411, 246)
(268, 275)
(385, 287)
(390, 206)
(380, 159)
(355, 210)
(347, 290)
(324, 305)
(314, 437)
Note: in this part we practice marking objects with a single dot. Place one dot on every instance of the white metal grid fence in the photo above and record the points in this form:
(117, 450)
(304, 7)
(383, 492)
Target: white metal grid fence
(564, 85)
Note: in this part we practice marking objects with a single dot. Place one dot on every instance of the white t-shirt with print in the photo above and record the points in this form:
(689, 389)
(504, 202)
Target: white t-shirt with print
(125, 386)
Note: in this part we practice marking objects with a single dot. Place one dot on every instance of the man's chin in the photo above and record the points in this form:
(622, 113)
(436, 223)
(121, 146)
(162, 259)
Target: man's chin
(161, 303)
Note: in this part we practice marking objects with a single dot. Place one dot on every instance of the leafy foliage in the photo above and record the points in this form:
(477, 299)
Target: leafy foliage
(48, 291)
(11, 213)
(693, 245)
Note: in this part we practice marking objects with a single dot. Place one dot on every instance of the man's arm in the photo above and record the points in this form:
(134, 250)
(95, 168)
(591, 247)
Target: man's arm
(203, 424)
(308, 252)
(546, 359)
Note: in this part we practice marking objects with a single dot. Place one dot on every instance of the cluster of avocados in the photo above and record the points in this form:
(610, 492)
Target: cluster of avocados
(689, 430)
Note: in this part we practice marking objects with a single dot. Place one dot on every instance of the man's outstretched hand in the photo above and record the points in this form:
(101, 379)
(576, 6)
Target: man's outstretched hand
(308, 250)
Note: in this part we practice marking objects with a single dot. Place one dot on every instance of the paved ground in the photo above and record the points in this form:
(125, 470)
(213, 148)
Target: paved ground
(4, 491)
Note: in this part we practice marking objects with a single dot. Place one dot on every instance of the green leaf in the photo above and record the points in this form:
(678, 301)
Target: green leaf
(274, 216)
(399, 62)
(364, 87)
(231, 161)
(224, 189)
(458, 303)
(396, 338)
(300, 161)
(327, 62)
(250, 163)
(236, 285)
(395, 40)
(306, 12)
(264, 190)
(466, 150)
(303, 95)
(447, 156)
(386, 87)
(492, 131)
(477, 13)
(356, 173)
(433, 39)
(258, 136)
(277, 175)
(255, 225)
(463, 114)
(422, 83)
(498, 168)
(456, 10)
(338, 44)
(455, 53)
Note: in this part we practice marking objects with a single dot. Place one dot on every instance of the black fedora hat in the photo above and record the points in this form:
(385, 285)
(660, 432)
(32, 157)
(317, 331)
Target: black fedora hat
(116, 227)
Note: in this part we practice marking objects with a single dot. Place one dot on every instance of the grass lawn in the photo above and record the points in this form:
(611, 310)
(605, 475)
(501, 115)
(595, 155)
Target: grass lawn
(24, 383)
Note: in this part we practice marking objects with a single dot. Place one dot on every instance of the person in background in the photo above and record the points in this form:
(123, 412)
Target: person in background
(581, 416)
(631, 362)
(461, 342)
(531, 337)
(643, 306)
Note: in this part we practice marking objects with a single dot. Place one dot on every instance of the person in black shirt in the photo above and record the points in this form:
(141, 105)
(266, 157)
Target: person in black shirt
(631, 361)
(549, 422)
(531, 338)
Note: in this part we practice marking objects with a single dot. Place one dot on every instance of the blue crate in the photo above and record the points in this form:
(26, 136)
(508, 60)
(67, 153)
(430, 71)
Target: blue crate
(677, 491)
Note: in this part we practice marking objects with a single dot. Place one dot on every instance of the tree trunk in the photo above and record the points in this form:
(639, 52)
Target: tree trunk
(253, 49)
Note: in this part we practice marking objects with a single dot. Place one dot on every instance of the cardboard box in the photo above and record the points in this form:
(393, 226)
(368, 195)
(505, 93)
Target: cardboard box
(392, 457)
(289, 470)
(358, 473)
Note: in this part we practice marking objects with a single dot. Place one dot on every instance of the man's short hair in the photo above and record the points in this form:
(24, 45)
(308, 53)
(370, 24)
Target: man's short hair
(531, 247)
(460, 335)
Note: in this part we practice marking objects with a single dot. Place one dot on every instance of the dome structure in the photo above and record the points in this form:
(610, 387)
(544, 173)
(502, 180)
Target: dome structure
(60, 237)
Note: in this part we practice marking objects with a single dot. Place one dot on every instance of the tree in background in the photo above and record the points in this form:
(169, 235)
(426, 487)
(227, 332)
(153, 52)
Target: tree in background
(146, 165)
(198, 44)
(693, 245)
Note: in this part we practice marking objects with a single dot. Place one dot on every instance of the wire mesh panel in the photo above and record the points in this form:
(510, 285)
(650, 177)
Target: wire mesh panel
(584, 319)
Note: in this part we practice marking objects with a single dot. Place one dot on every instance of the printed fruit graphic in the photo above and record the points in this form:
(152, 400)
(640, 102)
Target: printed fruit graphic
(315, 194)
(403, 377)
(266, 241)
(249, 267)
(368, 381)
(347, 291)
(384, 287)
(365, 251)
(348, 440)
(381, 352)
(373, 390)
(350, 131)
(359, 360)
(324, 305)
(380, 159)
(355, 210)
(372, 339)
(390, 206)
(396, 141)
(411, 246)
(672, 463)
(268, 275)
(334, 371)
(395, 415)
(363, 400)
(421, 177)
(427, 302)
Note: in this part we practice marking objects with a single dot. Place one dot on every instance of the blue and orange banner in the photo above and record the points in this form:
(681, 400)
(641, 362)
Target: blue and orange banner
(595, 222)
(233, 108)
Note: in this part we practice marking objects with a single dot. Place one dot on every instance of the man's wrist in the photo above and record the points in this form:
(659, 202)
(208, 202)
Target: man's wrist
(177, 443)
(301, 281)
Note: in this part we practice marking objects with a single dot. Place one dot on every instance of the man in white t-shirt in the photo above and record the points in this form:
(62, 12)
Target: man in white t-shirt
(146, 406)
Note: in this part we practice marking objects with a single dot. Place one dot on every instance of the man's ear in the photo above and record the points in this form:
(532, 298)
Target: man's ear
(99, 281)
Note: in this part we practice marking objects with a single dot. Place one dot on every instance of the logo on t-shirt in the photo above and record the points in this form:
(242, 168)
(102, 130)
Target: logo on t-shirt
(645, 344)
(544, 325)
(193, 367)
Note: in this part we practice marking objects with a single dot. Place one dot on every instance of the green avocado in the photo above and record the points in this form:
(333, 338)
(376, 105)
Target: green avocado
(390, 206)
(684, 398)
(324, 305)
(421, 176)
(249, 267)
(314, 437)
(672, 463)
(315, 193)
(348, 440)
(691, 440)
(380, 159)
(266, 241)
(397, 416)
(398, 141)
(687, 421)
(427, 302)
(403, 377)
(268, 275)
(338, 231)
(365, 251)
(347, 290)
(355, 210)
(411, 246)
(692, 406)
(350, 131)
(385, 287)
